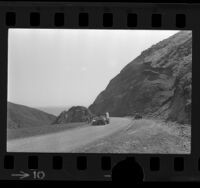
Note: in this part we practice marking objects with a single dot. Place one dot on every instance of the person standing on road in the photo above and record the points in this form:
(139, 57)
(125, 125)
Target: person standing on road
(107, 115)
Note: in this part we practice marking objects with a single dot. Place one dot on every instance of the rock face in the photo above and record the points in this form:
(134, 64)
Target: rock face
(74, 114)
(158, 83)
(20, 116)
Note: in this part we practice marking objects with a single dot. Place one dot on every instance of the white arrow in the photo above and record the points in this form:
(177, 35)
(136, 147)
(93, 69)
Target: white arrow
(107, 175)
(22, 175)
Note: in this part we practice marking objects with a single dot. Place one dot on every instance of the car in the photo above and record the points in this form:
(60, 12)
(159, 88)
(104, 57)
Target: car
(99, 120)
(138, 116)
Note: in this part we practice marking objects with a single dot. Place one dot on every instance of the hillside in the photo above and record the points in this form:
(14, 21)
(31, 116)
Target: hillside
(19, 116)
(157, 83)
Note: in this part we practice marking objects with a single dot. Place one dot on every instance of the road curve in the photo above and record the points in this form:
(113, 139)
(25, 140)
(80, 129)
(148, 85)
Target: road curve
(68, 140)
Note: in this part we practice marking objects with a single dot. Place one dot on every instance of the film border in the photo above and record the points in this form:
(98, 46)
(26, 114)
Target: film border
(157, 167)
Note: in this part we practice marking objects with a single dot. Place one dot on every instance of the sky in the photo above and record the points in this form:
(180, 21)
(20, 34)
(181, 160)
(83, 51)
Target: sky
(54, 67)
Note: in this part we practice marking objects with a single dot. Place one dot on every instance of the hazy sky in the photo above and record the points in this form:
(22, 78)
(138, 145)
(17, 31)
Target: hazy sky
(54, 67)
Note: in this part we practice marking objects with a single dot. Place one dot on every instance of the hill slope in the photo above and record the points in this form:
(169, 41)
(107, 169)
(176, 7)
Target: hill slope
(19, 116)
(158, 82)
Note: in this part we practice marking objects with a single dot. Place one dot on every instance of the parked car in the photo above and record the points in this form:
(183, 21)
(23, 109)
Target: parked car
(99, 120)
(138, 116)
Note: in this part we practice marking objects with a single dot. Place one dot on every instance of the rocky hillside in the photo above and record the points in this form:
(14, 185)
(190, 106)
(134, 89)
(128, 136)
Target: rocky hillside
(158, 83)
(19, 116)
(74, 114)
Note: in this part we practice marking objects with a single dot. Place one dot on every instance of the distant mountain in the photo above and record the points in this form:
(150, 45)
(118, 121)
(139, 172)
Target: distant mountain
(158, 83)
(19, 116)
(53, 109)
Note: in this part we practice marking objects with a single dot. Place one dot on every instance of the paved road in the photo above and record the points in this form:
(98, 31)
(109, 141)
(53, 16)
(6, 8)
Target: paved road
(144, 136)
(67, 140)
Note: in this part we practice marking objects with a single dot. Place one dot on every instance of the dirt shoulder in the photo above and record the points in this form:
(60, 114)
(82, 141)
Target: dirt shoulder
(145, 136)
(41, 130)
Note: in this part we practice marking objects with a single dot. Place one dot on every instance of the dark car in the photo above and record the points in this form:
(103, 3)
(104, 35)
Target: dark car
(138, 116)
(99, 120)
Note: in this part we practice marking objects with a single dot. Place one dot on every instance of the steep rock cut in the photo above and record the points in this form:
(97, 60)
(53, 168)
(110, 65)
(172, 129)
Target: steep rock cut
(158, 83)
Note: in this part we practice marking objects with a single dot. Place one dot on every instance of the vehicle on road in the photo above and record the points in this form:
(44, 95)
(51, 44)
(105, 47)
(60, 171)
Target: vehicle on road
(138, 116)
(99, 120)
(102, 119)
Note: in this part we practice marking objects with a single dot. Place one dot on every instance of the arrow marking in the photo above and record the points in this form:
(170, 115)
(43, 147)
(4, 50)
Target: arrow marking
(21, 175)
(107, 175)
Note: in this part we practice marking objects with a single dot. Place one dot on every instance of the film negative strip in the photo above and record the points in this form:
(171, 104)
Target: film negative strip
(66, 54)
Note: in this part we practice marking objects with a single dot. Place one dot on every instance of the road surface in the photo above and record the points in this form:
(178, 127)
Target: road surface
(68, 140)
(144, 136)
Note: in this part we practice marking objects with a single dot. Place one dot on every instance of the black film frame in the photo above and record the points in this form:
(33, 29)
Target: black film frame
(69, 166)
